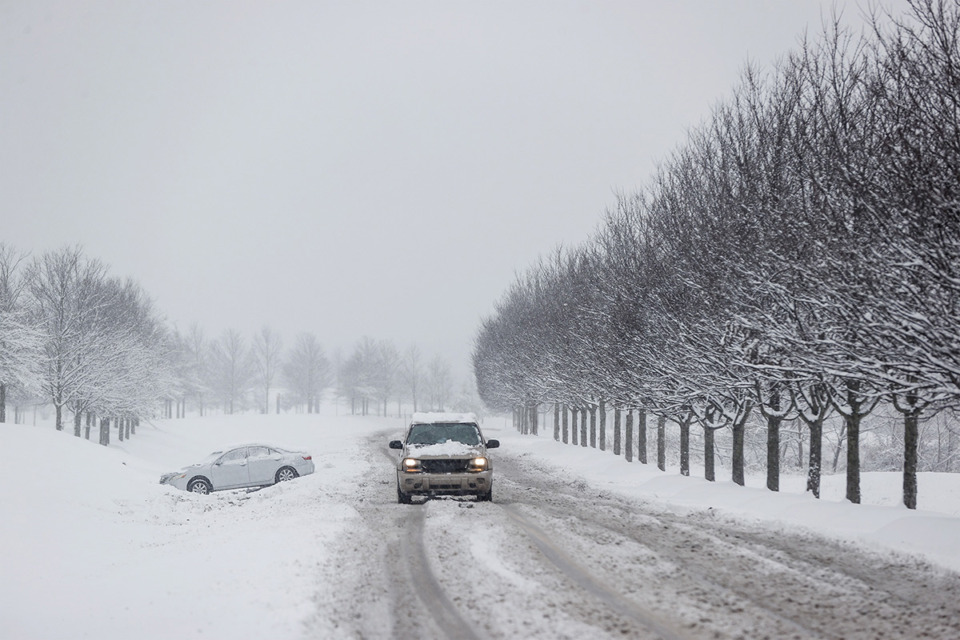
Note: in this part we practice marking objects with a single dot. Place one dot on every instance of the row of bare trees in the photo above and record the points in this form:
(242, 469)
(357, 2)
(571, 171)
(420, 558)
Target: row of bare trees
(94, 348)
(232, 374)
(797, 257)
(377, 372)
(89, 344)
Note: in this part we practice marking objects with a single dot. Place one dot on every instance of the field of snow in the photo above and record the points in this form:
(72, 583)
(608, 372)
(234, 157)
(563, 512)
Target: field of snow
(91, 546)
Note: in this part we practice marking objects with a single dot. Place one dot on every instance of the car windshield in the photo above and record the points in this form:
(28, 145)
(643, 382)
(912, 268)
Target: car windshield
(440, 432)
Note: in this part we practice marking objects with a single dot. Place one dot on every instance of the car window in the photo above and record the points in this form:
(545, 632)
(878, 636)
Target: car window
(235, 456)
(258, 452)
(438, 433)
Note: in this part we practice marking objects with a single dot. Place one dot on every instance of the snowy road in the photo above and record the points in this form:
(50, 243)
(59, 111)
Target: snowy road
(556, 559)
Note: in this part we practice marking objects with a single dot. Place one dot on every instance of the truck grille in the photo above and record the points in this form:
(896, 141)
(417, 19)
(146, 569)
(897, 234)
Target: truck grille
(444, 466)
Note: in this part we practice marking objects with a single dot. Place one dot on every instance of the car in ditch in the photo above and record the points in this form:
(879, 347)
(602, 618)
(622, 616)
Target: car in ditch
(444, 454)
(244, 466)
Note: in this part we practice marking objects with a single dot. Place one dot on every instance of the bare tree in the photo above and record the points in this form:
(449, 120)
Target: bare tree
(64, 287)
(231, 369)
(20, 342)
(411, 372)
(307, 371)
(385, 373)
(439, 382)
(266, 351)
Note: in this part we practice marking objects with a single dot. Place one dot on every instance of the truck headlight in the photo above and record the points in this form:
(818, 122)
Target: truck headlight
(411, 465)
(477, 465)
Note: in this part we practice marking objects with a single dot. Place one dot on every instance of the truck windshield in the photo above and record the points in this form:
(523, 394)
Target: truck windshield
(440, 432)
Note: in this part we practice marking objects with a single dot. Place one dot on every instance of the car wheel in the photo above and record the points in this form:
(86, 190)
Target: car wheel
(403, 498)
(199, 485)
(485, 497)
(286, 473)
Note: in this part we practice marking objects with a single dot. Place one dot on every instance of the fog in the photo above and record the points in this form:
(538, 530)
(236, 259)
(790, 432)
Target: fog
(351, 169)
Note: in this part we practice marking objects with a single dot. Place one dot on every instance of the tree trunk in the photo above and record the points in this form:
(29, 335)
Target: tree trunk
(566, 426)
(662, 442)
(685, 446)
(628, 437)
(86, 428)
(616, 431)
(603, 425)
(3, 402)
(839, 448)
(773, 452)
(911, 437)
(77, 422)
(816, 457)
(583, 426)
(853, 456)
(105, 431)
(593, 427)
(709, 471)
(799, 446)
(59, 410)
(642, 436)
(737, 457)
(556, 421)
(574, 431)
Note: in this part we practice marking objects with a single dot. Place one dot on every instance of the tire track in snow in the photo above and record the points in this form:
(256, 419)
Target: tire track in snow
(588, 582)
(698, 572)
(425, 584)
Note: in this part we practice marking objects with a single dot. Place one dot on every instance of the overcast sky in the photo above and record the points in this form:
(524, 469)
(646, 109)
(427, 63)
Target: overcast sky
(351, 168)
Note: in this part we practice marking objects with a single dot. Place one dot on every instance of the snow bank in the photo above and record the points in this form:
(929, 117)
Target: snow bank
(92, 546)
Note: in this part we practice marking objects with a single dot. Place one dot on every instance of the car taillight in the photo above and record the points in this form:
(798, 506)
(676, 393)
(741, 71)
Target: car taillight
(308, 457)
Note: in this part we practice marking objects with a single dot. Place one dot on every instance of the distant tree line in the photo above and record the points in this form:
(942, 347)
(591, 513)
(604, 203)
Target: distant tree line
(231, 375)
(94, 348)
(797, 258)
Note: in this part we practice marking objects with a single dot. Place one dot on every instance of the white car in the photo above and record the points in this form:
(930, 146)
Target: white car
(249, 465)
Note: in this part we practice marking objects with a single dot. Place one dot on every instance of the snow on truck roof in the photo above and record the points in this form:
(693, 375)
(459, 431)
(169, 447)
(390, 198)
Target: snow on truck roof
(430, 418)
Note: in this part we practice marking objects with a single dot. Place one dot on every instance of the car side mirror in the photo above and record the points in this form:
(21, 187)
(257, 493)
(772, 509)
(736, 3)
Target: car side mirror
(493, 444)
(396, 444)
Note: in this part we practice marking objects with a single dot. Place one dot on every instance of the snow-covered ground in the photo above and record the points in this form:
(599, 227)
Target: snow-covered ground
(91, 546)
